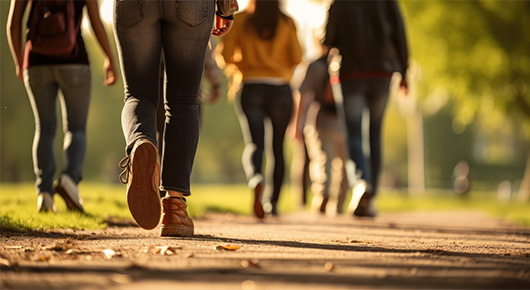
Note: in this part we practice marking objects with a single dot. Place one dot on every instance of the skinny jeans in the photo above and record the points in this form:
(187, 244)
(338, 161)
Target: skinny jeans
(359, 96)
(180, 30)
(71, 85)
(257, 103)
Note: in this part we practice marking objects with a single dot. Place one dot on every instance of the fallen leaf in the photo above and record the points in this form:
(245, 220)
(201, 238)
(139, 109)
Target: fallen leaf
(227, 247)
(44, 258)
(329, 266)
(5, 262)
(167, 250)
(60, 246)
(109, 253)
(77, 252)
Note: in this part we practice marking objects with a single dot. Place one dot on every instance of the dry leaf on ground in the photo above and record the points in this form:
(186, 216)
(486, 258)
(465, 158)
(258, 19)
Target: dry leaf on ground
(227, 247)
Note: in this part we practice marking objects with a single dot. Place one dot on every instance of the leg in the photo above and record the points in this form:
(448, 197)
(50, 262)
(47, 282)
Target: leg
(137, 30)
(279, 106)
(252, 117)
(42, 92)
(185, 33)
(330, 133)
(376, 98)
(319, 159)
(184, 54)
(75, 82)
(353, 106)
(139, 48)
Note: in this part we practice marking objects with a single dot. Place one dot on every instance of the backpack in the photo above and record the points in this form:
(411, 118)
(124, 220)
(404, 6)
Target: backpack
(52, 28)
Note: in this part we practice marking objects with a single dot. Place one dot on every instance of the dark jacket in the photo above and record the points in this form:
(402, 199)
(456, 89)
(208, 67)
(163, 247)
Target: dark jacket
(370, 36)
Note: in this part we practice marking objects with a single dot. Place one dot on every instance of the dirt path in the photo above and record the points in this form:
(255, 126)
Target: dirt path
(464, 250)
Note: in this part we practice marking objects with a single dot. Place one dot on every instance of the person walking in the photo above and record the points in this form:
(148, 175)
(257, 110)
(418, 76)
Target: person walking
(180, 31)
(370, 37)
(51, 76)
(318, 123)
(264, 46)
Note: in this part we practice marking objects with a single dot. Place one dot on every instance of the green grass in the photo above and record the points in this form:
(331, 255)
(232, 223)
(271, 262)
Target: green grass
(106, 202)
(445, 200)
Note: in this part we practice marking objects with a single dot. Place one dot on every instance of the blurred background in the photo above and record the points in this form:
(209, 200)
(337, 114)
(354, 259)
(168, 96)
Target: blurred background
(468, 111)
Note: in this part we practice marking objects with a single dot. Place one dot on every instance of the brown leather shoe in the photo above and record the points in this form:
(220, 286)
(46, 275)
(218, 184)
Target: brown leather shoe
(175, 219)
(142, 175)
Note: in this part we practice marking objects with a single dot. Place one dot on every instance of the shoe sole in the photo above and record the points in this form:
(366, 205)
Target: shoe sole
(258, 207)
(143, 196)
(176, 231)
(71, 204)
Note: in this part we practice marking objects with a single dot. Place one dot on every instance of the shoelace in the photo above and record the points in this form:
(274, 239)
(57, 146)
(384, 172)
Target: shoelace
(124, 164)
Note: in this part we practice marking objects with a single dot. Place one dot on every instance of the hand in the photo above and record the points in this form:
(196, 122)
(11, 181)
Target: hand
(222, 26)
(110, 73)
(215, 94)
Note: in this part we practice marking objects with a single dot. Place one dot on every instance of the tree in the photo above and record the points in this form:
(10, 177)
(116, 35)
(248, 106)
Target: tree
(477, 53)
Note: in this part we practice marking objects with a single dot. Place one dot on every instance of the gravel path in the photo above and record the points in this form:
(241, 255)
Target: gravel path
(434, 250)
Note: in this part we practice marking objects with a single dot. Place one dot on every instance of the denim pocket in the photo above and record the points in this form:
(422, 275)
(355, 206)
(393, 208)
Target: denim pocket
(192, 12)
(129, 12)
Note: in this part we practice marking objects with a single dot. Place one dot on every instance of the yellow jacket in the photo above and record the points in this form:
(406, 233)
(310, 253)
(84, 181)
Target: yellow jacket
(256, 57)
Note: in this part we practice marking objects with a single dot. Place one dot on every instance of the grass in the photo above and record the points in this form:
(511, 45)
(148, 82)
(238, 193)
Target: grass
(106, 202)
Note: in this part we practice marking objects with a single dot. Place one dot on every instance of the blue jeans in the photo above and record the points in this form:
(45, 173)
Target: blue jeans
(361, 94)
(259, 102)
(43, 84)
(180, 30)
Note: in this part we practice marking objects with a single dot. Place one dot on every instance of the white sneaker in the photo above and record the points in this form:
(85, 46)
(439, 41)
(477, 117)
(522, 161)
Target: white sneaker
(45, 203)
(67, 189)
(361, 203)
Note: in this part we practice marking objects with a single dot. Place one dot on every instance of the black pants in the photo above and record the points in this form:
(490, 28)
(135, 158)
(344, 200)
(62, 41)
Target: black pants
(259, 102)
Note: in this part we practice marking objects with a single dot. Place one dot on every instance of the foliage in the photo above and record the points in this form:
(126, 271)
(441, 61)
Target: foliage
(477, 53)
(472, 58)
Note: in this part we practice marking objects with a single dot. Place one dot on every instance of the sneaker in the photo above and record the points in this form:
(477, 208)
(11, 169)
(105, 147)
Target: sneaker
(175, 219)
(67, 189)
(142, 176)
(361, 203)
(45, 203)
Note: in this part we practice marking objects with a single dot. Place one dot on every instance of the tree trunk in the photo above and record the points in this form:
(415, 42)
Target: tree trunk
(524, 190)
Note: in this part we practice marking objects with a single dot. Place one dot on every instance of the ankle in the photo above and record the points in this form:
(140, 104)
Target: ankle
(171, 193)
